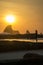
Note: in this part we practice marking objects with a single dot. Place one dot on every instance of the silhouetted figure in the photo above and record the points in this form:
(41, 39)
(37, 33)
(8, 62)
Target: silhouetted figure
(36, 32)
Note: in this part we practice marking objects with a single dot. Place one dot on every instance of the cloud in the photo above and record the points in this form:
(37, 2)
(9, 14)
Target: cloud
(26, 2)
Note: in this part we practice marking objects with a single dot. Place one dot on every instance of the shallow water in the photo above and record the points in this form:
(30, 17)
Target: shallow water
(18, 55)
(40, 40)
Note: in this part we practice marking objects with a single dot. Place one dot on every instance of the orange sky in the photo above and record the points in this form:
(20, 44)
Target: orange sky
(29, 14)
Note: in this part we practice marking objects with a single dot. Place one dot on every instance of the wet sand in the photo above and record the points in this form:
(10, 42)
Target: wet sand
(8, 46)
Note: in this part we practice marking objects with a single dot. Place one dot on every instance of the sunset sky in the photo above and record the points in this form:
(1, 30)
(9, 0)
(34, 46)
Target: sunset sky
(28, 13)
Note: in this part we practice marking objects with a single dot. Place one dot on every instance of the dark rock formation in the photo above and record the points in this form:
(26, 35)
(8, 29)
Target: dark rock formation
(9, 29)
(32, 56)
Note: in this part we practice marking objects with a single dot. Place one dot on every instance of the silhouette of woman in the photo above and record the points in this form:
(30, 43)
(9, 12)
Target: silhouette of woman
(36, 35)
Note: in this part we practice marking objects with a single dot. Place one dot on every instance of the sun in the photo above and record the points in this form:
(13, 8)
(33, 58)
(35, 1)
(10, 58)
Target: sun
(10, 19)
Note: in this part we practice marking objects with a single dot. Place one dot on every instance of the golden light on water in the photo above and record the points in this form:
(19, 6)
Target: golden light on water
(10, 19)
